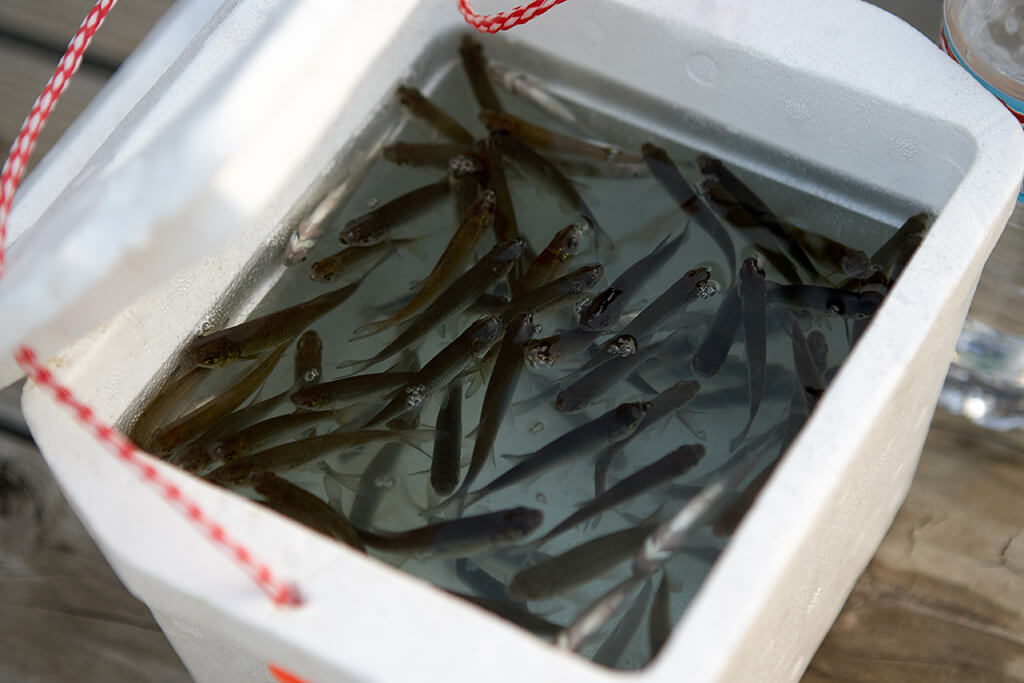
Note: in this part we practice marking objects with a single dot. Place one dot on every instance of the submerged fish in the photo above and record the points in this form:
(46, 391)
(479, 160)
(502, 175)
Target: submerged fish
(446, 458)
(461, 247)
(375, 227)
(754, 312)
(562, 247)
(659, 625)
(249, 339)
(354, 262)
(475, 65)
(422, 108)
(442, 369)
(836, 255)
(613, 426)
(261, 434)
(459, 537)
(615, 644)
(824, 300)
(464, 176)
(346, 390)
(308, 368)
(811, 383)
(506, 227)
(302, 505)
(529, 88)
(903, 240)
(431, 154)
(575, 283)
(163, 404)
(544, 138)
(714, 348)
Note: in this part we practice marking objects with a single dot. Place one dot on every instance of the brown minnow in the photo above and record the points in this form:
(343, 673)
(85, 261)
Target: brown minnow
(714, 348)
(529, 89)
(725, 188)
(446, 457)
(464, 176)
(912, 230)
(375, 226)
(579, 565)
(163, 404)
(459, 250)
(475, 65)
(668, 176)
(296, 453)
(824, 300)
(305, 507)
(544, 138)
(488, 304)
(501, 387)
(459, 537)
(247, 340)
(664, 404)
(536, 164)
(607, 308)
(629, 623)
(668, 467)
(262, 434)
(577, 282)
(754, 312)
(420, 106)
(547, 351)
(308, 368)
(354, 262)
(836, 255)
(450, 362)
(429, 154)
(562, 247)
(659, 625)
(457, 297)
(615, 425)
(505, 225)
(346, 390)
(735, 511)
(809, 379)
(512, 612)
(198, 420)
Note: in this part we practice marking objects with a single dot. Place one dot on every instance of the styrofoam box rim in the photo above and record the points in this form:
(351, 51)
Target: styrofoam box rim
(779, 584)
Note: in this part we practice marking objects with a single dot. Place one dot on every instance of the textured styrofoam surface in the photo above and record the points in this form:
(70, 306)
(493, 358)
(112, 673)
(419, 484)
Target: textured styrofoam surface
(841, 84)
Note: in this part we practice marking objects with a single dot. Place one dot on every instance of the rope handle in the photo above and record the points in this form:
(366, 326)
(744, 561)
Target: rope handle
(503, 21)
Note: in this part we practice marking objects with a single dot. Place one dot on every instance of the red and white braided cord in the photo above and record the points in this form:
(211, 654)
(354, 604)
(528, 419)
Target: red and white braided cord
(505, 20)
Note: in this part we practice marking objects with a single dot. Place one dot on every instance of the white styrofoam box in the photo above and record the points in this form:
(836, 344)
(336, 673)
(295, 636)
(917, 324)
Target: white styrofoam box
(842, 85)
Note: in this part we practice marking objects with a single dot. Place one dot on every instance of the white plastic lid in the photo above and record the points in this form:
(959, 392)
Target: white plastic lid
(216, 134)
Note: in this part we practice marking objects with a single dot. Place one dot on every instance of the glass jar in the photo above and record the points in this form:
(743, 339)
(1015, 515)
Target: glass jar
(986, 379)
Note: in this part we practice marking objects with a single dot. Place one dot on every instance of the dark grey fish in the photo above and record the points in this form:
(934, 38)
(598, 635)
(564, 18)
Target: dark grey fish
(164, 404)
(459, 537)
(674, 464)
(579, 565)
(505, 225)
(567, 345)
(824, 300)
(912, 230)
(754, 311)
(446, 458)
(818, 346)
(429, 154)
(420, 106)
(489, 304)
(299, 503)
(375, 227)
(475, 65)
(659, 626)
(575, 283)
(836, 255)
(562, 247)
(615, 644)
(735, 511)
(613, 426)
(480, 582)
(261, 435)
(339, 392)
(464, 176)
(668, 176)
(442, 369)
(714, 348)
(553, 141)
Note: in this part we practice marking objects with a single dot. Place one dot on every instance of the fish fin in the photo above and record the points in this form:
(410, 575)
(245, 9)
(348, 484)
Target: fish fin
(638, 382)
(370, 329)
(334, 488)
(415, 245)
(699, 433)
(357, 365)
(516, 457)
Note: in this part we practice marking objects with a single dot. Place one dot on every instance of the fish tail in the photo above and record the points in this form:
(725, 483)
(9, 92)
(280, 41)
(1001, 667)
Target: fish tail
(373, 328)
(739, 438)
(359, 364)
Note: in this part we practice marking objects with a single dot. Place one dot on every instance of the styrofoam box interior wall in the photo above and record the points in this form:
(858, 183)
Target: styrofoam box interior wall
(844, 87)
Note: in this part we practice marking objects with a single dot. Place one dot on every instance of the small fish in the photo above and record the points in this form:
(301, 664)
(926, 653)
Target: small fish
(457, 297)
(754, 311)
(579, 565)
(247, 340)
(501, 387)
(668, 176)
(818, 346)
(479, 581)
(505, 225)
(460, 537)
(375, 227)
(612, 170)
(201, 418)
(379, 475)
(659, 626)
(811, 383)
(163, 404)
(529, 88)
(427, 154)
(303, 506)
(308, 368)
(664, 404)
(543, 138)
(912, 230)
(836, 255)
(907, 249)
(296, 453)
(513, 613)
(488, 304)
(311, 228)
(713, 350)
(534, 163)
(824, 300)
(459, 250)
(339, 392)
(562, 248)
(417, 104)
(464, 176)
(442, 369)
(674, 464)
(575, 283)
(262, 434)
(548, 351)
(446, 458)
(475, 65)
(735, 511)
(352, 263)
(615, 425)
(617, 641)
